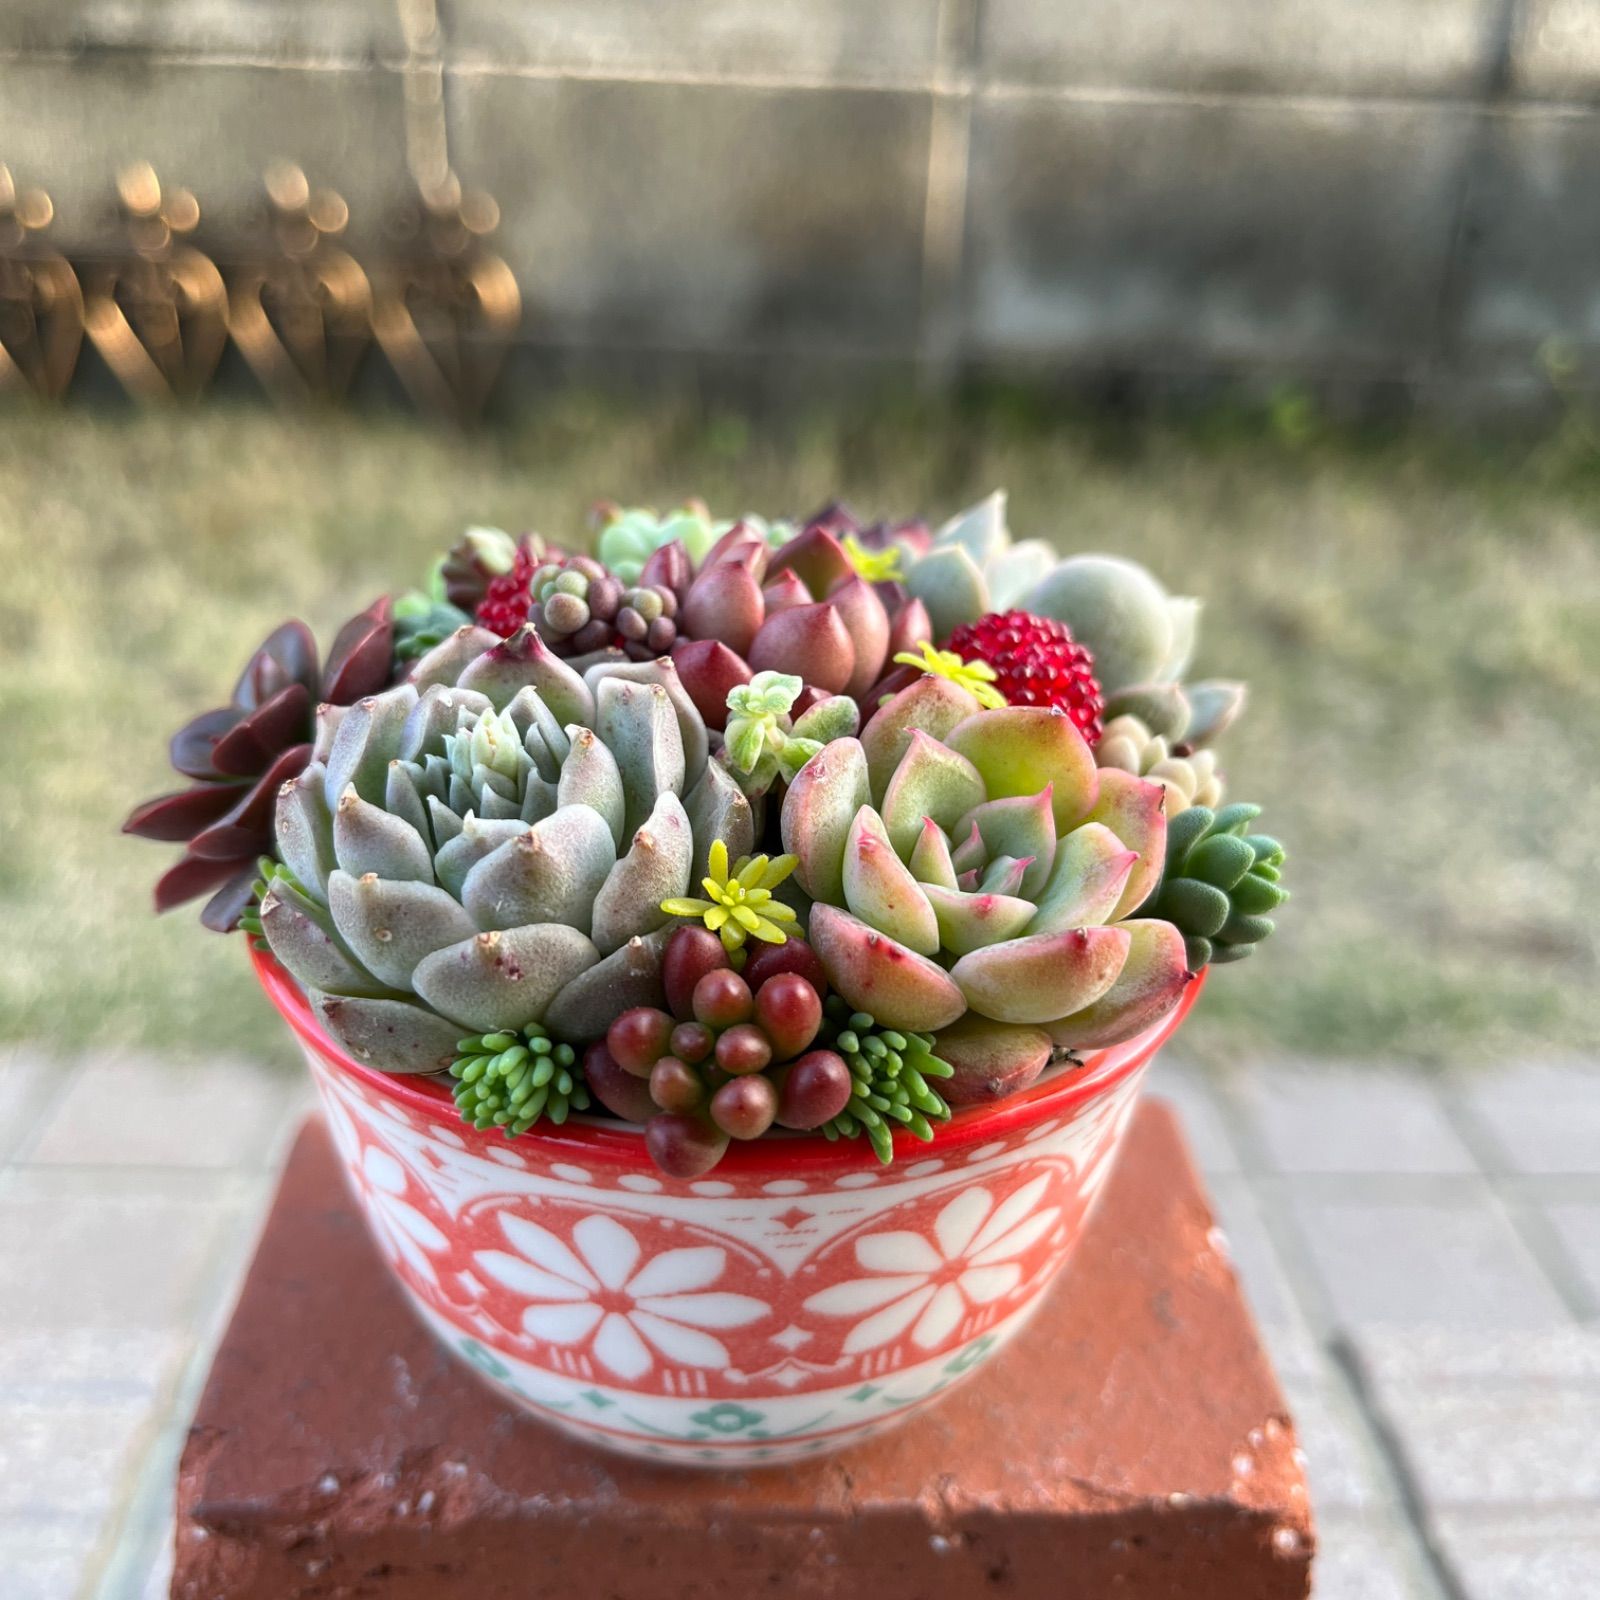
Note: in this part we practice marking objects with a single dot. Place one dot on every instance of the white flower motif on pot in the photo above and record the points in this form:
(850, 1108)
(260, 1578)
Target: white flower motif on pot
(596, 1295)
(925, 1285)
(383, 1189)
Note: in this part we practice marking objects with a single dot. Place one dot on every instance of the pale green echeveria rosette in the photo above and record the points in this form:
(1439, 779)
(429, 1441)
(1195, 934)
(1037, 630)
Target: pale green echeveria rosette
(977, 877)
(628, 537)
(1142, 639)
(486, 847)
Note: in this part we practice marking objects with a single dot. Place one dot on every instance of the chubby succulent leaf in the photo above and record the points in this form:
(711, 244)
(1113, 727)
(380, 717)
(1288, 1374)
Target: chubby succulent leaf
(1213, 707)
(968, 922)
(476, 839)
(639, 724)
(553, 872)
(818, 811)
(835, 716)
(1013, 573)
(719, 809)
(932, 780)
(980, 530)
(876, 974)
(1086, 883)
(656, 868)
(392, 1034)
(725, 603)
(930, 859)
(1132, 809)
(930, 705)
(590, 777)
(390, 927)
(867, 623)
(1043, 977)
(301, 935)
(811, 640)
(952, 587)
(1020, 750)
(367, 741)
(1115, 608)
(1021, 826)
(592, 1001)
(304, 828)
(990, 1060)
(1150, 984)
(506, 978)
(880, 890)
(1163, 708)
(691, 727)
(369, 838)
(525, 661)
(447, 660)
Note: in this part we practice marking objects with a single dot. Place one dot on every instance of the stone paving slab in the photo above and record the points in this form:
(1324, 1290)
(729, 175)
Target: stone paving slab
(44, 1557)
(1505, 1445)
(1455, 1263)
(1338, 1119)
(1578, 1228)
(1544, 1116)
(1537, 1556)
(1359, 1557)
(108, 1250)
(218, 1112)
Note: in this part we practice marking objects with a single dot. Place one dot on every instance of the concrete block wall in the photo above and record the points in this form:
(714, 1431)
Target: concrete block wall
(1404, 191)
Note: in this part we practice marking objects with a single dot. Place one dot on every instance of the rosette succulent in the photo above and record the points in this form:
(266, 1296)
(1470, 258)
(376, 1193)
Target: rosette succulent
(976, 877)
(1221, 884)
(485, 848)
(802, 609)
(238, 755)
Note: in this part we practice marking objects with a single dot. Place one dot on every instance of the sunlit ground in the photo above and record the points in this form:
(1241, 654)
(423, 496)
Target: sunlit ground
(1421, 626)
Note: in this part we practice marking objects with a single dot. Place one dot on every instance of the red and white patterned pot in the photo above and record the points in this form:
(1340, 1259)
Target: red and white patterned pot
(798, 1299)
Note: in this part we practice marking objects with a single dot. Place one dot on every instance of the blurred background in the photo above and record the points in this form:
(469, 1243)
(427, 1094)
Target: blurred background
(1298, 303)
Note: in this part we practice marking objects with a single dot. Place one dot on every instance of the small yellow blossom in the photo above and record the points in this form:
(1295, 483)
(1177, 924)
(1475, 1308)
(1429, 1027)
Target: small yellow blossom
(976, 677)
(876, 566)
(739, 905)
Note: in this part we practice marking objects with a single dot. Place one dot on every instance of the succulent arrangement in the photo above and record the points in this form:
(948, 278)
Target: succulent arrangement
(728, 827)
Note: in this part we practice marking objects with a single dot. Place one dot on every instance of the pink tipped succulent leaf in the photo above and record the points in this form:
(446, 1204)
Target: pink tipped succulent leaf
(980, 868)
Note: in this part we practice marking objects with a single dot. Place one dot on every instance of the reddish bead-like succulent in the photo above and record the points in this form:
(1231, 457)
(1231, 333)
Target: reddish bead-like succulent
(238, 756)
(1036, 662)
(736, 1065)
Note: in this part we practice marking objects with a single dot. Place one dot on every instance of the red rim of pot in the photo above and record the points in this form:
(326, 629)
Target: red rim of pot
(1058, 1092)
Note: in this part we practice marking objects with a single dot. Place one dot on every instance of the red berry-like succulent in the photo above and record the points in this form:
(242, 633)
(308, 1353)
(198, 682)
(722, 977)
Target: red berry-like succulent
(1037, 662)
(504, 607)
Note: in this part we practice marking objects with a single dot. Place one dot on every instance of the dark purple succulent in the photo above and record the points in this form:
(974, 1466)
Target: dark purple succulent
(238, 756)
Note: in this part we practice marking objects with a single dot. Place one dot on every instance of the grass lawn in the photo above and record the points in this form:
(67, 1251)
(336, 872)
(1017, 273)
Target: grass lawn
(1421, 626)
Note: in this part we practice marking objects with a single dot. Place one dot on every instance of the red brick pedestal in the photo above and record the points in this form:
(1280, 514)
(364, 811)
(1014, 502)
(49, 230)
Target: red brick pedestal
(1131, 1443)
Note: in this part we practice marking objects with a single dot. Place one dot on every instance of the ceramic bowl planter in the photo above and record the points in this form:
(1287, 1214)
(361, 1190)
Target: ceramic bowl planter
(797, 1301)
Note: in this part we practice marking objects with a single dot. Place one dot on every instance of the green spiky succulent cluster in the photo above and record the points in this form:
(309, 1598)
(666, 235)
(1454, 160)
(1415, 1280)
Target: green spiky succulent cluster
(1221, 884)
(891, 1068)
(509, 1080)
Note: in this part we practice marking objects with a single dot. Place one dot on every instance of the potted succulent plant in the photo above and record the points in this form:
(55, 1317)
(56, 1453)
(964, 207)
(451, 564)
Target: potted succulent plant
(728, 959)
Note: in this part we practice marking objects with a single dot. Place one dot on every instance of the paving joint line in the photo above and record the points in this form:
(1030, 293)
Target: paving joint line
(1522, 1210)
(1381, 1445)
(1403, 1479)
